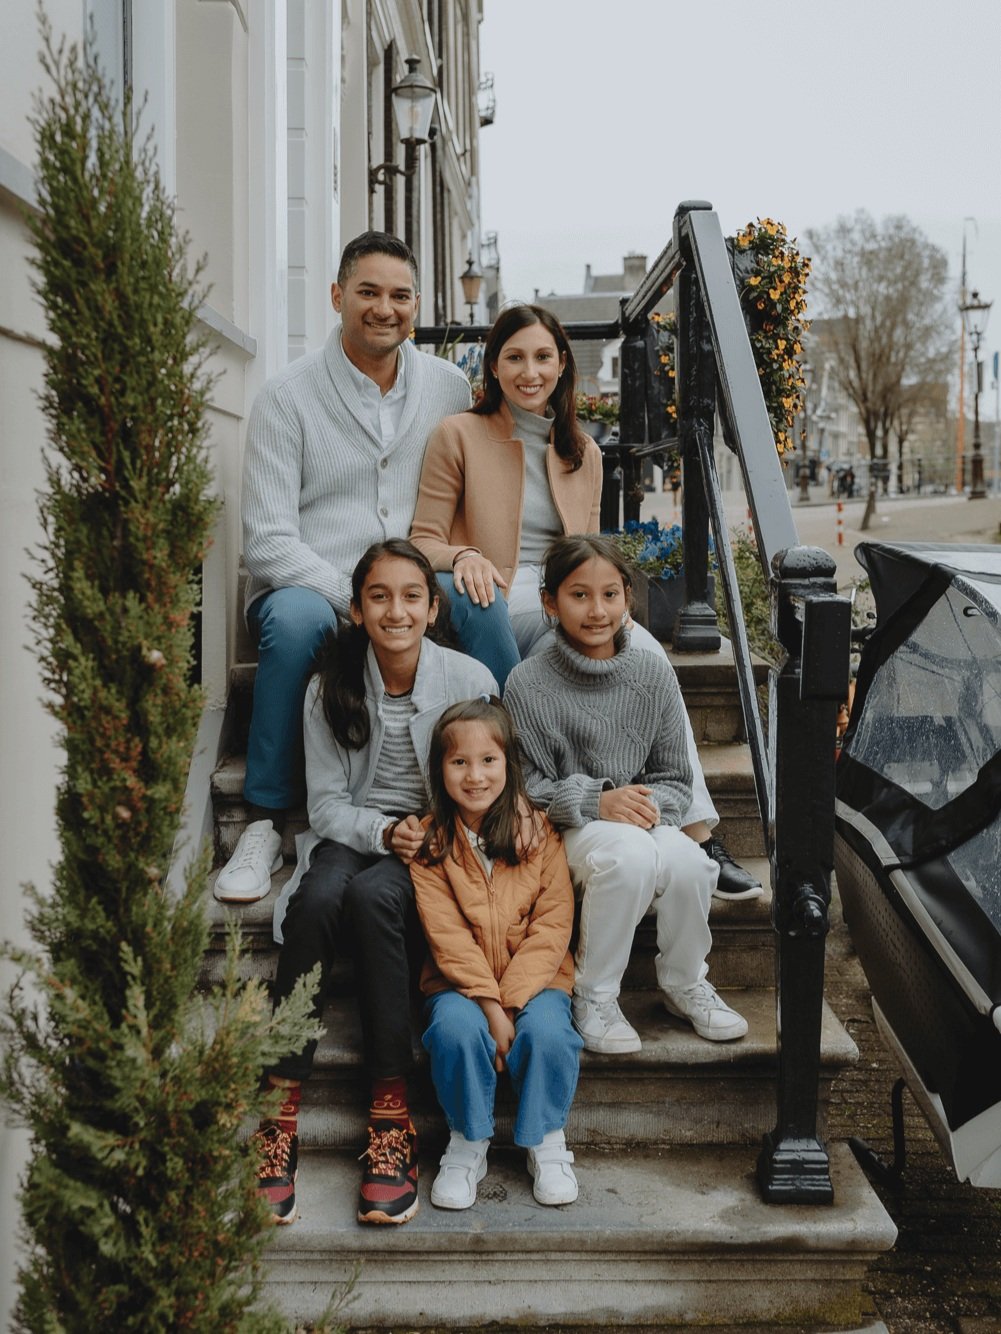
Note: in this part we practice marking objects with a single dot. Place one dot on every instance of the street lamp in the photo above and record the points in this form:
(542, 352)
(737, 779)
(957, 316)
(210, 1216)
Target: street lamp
(804, 466)
(975, 315)
(471, 279)
(413, 106)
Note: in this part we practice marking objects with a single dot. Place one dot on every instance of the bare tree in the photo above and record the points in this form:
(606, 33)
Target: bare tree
(882, 295)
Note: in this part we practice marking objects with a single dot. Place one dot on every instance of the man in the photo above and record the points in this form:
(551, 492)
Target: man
(335, 444)
(334, 451)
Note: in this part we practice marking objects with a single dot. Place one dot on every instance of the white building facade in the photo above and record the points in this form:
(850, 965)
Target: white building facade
(269, 117)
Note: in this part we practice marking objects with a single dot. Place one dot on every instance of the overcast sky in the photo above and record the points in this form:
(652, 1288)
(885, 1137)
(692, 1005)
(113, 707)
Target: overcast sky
(610, 112)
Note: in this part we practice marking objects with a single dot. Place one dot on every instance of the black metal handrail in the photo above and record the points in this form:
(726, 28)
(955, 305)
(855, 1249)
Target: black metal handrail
(794, 777)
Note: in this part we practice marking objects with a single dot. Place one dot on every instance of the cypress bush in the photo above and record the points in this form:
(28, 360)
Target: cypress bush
(138, 1201)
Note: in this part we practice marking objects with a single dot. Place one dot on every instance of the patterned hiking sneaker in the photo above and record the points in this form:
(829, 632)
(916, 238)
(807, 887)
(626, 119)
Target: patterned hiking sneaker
(603, 1026)
(707, 1013)
(389, 1185)
(279, 1155)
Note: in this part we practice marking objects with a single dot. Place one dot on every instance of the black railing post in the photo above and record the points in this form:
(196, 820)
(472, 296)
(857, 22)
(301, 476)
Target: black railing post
(813, 624)
(611, 489)
(697, 629)
(632, 414)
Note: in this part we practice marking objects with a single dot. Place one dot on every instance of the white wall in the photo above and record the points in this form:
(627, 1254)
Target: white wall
(259, 110)
(27, 734)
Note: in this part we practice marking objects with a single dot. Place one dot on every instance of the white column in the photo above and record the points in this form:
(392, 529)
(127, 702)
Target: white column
(268, 158)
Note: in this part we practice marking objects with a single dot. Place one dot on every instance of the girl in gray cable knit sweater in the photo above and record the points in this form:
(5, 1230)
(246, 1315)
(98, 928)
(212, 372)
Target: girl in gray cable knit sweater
(601, 727)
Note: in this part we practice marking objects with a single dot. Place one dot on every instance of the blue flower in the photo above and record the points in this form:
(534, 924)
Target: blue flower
(648, 546)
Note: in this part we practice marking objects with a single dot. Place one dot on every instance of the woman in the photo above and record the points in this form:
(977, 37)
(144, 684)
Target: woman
(502, 481)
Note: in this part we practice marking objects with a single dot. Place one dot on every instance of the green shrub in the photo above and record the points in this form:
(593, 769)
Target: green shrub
(139, 1206)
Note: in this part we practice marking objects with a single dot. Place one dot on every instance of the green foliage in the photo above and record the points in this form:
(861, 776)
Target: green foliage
(754, 596)
(139, 1201)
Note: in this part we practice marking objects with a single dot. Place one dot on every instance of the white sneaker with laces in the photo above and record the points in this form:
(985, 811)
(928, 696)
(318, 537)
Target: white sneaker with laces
(463, 1165)
(603, 1026)
(246, 877)
(553, 1180)
(707, 1013)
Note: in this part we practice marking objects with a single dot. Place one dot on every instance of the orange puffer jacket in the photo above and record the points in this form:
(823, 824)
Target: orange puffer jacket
(504, 938)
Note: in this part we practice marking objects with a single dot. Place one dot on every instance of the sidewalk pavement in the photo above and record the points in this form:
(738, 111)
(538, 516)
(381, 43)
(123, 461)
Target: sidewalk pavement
(897, 519)
(944, 1274)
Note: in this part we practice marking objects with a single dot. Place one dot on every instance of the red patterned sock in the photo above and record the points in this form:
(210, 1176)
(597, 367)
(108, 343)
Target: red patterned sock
(389, 1103)
(287, 1116)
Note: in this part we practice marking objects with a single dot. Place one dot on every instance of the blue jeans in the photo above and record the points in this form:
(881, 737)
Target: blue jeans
(543, 1062)
(484, 632)
(289, 625)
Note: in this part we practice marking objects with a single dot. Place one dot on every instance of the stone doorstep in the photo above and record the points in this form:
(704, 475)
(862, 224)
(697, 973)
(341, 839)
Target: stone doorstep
(727, 768)
(678, 1090)
(740, 956)
(677, 1236)
(670, 1046)
(254, 919)
(708, 682)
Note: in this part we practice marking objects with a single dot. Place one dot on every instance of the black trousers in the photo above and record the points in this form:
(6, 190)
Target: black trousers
(361, 906)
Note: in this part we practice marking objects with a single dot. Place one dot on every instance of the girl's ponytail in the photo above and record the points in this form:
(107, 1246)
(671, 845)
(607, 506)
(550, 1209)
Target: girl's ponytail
(341, 669)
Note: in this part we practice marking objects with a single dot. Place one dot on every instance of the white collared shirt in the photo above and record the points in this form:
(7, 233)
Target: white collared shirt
(383, 411)
(480, 849)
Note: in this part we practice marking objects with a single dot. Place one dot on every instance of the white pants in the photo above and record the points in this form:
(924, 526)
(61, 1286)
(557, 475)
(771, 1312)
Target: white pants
(619, 870)
(532, 634)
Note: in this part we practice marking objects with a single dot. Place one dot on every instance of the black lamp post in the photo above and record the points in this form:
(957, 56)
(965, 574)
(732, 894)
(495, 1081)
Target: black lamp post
(975, 315)
(413, 106)
(471, 279)
(804, 466)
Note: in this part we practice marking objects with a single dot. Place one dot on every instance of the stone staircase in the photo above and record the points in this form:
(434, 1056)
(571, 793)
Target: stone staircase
(669, 1229)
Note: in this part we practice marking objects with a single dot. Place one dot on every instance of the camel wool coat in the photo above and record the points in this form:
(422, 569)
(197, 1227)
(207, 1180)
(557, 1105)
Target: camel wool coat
(472, 491)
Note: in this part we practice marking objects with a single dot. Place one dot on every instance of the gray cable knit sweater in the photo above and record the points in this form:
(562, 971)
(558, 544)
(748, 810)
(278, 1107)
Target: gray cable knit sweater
(318, 487)
(590, 724)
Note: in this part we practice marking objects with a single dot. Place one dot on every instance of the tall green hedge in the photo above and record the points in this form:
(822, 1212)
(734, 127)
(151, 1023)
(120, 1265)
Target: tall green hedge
(138, 1202)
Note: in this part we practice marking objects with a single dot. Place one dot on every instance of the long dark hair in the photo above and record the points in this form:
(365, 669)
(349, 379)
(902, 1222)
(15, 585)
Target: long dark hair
(569, 440)
(502, 822)
(566, 554)
(341, 661)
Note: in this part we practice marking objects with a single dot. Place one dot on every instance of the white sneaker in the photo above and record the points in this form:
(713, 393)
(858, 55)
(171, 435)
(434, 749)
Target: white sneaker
(710, 1016)
(463, 1165)
(603, 1026)
(553, 1181)
(246, 877)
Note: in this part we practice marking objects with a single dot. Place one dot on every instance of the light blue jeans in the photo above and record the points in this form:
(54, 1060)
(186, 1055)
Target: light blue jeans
(543, 1063)
(289, 625)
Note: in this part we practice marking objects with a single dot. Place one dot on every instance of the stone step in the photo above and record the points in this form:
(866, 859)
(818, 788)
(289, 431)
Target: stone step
(679, 1089)
(708, 682)
(742, 953)
(676, 1237)
(727, 768)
